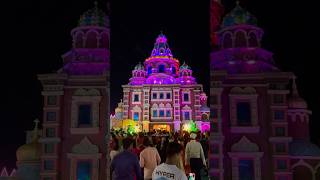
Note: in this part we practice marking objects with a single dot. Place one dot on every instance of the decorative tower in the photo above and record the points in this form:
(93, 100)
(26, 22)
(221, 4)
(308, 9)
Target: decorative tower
(76, 105)
(205, 112)
(138, 75)
(28, 158)
(186, 75)
(161, 67)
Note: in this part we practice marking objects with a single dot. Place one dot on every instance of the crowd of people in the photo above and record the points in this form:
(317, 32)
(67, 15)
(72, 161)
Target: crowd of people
(158, 155)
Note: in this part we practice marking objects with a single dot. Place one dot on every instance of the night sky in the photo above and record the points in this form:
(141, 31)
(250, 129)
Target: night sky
(36, 34)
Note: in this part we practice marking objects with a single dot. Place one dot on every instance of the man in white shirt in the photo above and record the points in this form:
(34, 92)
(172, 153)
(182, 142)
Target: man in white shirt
(194, 156)
(169, 170)
(149, 159)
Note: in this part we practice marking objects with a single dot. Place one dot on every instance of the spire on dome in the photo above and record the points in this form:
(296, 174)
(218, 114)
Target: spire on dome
(94, 17)
(184, 66)
(295, 92)
(238, 16)
(295, 101)
(161, 47)
(139, 66)
(35, 130)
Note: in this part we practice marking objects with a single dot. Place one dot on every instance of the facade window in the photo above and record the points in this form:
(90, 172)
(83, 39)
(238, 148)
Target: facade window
(136, 116)
(161, 113)
(149, 70)
(161, 96)
(161, 68)
(168, 96)
(48, 164)
(279, 115)
(187, 115)
(214, 163)
(84, 115)
(215, 177)
(52, 100)
(83, 170)
(50, 132)
(246, 170)
(281, 164)
(168, 113)
(213, 113)
(283, 178)
(213, 100)
(49, 148)
(280, 148)
(154, 113)
(278, 99)
(51, 116)
(243, 114)
(173, 70)
(215, 149)
(136, 98)
(280, 131)
(154, 95)
(185, 97)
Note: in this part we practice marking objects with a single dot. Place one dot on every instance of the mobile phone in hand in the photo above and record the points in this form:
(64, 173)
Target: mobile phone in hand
(191, 176)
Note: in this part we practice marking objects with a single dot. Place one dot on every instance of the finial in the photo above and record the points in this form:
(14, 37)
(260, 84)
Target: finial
(35, 130)
(238, 3)
(36, 122)
(294, 88)
(96, 4)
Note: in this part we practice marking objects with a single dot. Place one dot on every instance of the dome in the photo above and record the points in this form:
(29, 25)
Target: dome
(204, 108)
(295, 101)
(31, 151)
(139, 67)
(303, 148)
(239, 16)
(94, 17)
(184, 66)
(161, 79)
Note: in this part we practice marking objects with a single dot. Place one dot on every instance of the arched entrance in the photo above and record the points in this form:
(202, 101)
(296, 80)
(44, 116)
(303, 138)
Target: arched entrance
(301, 172)
(161, 127)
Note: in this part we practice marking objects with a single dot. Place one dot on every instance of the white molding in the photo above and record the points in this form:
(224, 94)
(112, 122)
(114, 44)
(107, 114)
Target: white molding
(89, 130)
(246, 129)
(49, 140)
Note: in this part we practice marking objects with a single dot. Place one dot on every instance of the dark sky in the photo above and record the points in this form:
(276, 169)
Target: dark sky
(36, 34)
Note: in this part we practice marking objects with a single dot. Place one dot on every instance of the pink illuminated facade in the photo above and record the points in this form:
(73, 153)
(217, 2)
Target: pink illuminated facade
(260, 124)
(76, 104)
(161, 94)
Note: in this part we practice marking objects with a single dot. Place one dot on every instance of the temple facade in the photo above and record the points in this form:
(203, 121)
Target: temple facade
(76, 104)
(260, 124)
(162, 94)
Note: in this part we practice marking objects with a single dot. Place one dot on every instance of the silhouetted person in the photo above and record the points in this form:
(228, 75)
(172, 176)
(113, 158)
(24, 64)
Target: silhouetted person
(125, 165)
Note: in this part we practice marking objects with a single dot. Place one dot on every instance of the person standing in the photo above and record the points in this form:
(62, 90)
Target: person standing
(194, 156)
(149, 159)
(168, 170)
(125, 165)
(114, 146)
